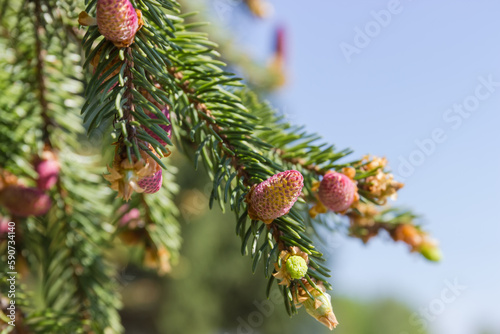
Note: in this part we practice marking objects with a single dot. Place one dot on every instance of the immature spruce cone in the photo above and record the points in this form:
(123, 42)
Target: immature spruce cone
(125, 177)
(22, 201)
(48, 171)
(4, 227)
(151, 184)
(118, 21)
(293, 265)
(274, 197)
(337, 191)
(130, 217)
(320, 308)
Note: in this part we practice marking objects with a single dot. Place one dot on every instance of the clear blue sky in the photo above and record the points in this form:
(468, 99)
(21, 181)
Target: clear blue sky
(397, 89)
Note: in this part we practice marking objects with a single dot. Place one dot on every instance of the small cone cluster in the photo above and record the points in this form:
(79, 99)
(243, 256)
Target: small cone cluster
(320, 308)
(117, 20)
(274, 197)
(381, 185)
(20, 200)
(293, 265)
(364, 214)
(363, 222)
(127, 177)
(336, 192)
(418, 241)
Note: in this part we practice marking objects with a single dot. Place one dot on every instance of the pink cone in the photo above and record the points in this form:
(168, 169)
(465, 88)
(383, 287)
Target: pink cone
(129, 216)
(151, 184)
(24, 202)
(274, 197)
(166, 128)
(4, 226)
(117, 21)
(48, 172)
(337, 191)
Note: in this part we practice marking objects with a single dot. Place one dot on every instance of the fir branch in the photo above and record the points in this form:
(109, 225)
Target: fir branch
(300, 162)
(129, 134)
(210, 122)
(40, 75)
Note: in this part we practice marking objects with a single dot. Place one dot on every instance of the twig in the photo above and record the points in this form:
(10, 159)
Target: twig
(40, 78)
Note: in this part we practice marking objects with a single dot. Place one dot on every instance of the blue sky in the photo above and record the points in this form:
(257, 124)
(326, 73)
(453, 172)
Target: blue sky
(398, 89)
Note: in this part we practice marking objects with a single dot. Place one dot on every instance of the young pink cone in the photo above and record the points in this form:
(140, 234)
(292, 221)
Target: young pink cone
(48, 171)
(337, 191)
(275, 197)
(166, 128)
(118, 21)
(4, 226)
(24, 202)
(125, 176)
(130, 216)
(151, 184)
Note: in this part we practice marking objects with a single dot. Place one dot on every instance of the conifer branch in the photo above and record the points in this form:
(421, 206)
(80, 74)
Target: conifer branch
(300, 162)
(40, 75)
(211, 123)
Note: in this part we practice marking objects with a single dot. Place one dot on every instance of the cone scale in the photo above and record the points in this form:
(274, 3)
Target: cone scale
(151, 184)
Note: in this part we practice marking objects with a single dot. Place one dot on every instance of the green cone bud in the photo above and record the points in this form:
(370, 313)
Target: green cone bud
(296, 267)
(431, 252)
